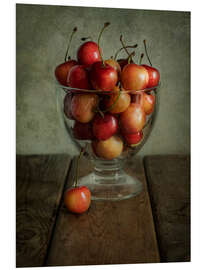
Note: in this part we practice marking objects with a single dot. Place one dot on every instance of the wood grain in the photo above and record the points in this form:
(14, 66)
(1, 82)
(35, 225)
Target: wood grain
(169, 186)
(39, 186)
(109, 233)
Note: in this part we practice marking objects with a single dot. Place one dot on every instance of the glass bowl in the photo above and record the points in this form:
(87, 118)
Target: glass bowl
(108, 180)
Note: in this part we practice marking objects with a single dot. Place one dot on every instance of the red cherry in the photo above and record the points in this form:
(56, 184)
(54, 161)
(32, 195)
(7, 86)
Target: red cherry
(82, 131)
(103, 77)
(88, 53)
(154, 76)
(133, 139)
(134, 77)
(78, 199)
(62, 70)
(78, 77)
(104, 127)
(133, 119)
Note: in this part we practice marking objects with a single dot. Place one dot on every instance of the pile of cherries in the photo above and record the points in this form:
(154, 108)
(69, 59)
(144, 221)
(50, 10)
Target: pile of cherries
(113, 116)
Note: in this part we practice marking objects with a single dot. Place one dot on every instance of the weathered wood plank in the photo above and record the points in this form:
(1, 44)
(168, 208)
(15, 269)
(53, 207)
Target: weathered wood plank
(39, 187)
(109, 233)
(169, 188)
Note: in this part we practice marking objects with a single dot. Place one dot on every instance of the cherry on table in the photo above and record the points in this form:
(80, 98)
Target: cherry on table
(77, 199)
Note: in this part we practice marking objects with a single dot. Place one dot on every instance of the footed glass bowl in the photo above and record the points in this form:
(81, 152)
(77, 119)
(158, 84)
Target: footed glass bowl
(89, 127)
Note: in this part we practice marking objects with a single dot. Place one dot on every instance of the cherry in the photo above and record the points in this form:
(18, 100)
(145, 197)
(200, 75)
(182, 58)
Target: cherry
(154, 75)
(108, 149)
(103, 76)
(82, 131)
(133, 139)
(148, 103)
(88, 53)
(83, 107)
(133, 119)
(104, 127)
(62, 70)
(77, 199)
(78, 77)
(118, 102)
(134, 77)
(147, 100)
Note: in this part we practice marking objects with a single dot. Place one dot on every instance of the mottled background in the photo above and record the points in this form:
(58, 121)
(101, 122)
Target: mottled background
(41, 40)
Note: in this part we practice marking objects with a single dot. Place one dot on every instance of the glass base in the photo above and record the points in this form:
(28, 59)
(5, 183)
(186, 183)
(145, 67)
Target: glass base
(111, 183)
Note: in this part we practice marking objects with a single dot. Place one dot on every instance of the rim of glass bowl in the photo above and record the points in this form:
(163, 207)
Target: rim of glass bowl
(79, 90)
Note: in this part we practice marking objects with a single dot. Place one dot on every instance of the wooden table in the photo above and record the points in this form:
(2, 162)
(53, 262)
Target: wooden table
(151, 227)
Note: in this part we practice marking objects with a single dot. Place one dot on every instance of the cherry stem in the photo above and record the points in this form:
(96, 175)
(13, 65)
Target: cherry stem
(116, 54)
(73, 32)
(130, 57)
(85, 38)
(141, 56)
(121, 40)
(113, 105)
(144, 41)
(100, 34)
(77, 164)
(98, 110)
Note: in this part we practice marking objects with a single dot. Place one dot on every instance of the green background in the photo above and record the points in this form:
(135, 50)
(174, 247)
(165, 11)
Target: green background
(41, 40)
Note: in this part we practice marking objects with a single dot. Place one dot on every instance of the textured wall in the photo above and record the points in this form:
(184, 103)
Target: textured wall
(41, 41)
